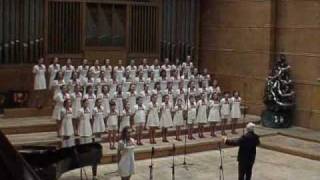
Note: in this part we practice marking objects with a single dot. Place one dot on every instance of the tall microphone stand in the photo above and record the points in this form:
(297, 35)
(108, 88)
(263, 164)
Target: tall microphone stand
(185, 164)
(221, 173)
(151, 165)
(245, 109)
(173, 163)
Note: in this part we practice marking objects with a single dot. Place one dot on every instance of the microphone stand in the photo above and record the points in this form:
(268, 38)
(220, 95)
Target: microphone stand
(245, 109)
(151, 165)
(221, 173)
(173, 163)
(185, 164)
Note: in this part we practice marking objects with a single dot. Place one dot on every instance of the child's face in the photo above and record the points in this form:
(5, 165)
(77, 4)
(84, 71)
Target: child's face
(90, 90)
(113, 107)
(154, 98)
(166, 99)
(99, 102)
(139, 101)
(68, 103)
(236, 94)
(226, 95)
(127, 106)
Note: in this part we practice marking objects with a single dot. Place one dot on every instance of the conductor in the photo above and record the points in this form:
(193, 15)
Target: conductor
(247, 151)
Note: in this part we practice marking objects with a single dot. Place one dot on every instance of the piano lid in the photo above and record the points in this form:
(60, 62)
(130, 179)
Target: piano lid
(12, 164)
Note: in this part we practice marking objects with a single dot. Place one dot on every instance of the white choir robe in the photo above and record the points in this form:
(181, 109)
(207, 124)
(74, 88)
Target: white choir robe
(67, 70)
(39, 77)
(66, 128)
(202, 112)
(166, 117)
(91, 100)
(83, 71)
(98, 125)
(132, 70)
(76, 99)
(119, 73)
(107, 71)
(225, 108)
(235, 107)
(140, 115)
(95, 71)
(153, 115)
(214, 112)
(84, 127)
(53, 70)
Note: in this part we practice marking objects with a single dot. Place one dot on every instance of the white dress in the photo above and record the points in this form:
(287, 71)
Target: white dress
(95, 71)
(118, 98)
(225, 108)
(178, 116)
(132, 70)
(156, 71)
(235, 107)
(163, 84)
(119, 71)
(166, 117)
(84, 129)
(83, 71)
(67, 72)
(125, 120)
(153, 115)
(40, 77)
(107, 69)
(76, 99)
(57, 86)
(126, 163)
(139, 84)
(112, 121)
(132, 100)
(105, 103)
(140, 115)
(180, 94)
(145, 69)
(167, 69)
(66, 128)
(58, 99)
(53, 69)
(202, 112)
(91, 100)
(98, 120)
(214, 113)
(192, 113)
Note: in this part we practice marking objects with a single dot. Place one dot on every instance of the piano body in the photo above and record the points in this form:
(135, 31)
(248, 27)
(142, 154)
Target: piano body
(47, 162)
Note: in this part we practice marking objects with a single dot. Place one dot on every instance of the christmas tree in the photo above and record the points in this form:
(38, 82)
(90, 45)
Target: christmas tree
(279, 96)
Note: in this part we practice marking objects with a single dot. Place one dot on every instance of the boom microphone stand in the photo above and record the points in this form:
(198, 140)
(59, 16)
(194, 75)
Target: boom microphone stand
(173, 163)
(151, 165)
(221, 173)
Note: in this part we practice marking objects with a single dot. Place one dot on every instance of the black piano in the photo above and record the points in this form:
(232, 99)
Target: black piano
(48, 162)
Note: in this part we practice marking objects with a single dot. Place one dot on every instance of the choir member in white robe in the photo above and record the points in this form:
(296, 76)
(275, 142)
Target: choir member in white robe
(125, 117)
(74, 80)
(53, 69)
(167, 68)
(166, 117)
(235, 111)
(126, 149)
(139, 119)
(132, 97)
(58, 82)
(187, 66)
(144, 67)
(58, 100)
(83, 70)
(225, 111)
(84, 124)
(157, 91)
(91, 98)
(132, 70)
(140, 81)
(106, 98)
(163, 80)
(214, 113)
(175, 80)
(178, 119)
(152, 80)
(191, 115)
(107, 68)
(112, 123)
(88, 81)
(66, 129)
(216, 87)
(76, 99)
(39, 71)
(170, 92)
(202, 118)
(118, 97)
(156, 68)
(95, 69)
(153, 120)
(205, 78)
(119, 71)
(67, 70)
(100, 82)
(98, 124)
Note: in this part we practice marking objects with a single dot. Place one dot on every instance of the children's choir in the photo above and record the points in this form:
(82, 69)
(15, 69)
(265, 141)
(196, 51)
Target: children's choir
(104, 99)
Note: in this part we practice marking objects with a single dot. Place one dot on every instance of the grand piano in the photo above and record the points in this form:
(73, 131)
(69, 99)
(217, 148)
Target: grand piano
(47, 162)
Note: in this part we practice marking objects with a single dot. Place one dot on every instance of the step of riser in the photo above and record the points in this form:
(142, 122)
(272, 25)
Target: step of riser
(53, 127)
(167, 151)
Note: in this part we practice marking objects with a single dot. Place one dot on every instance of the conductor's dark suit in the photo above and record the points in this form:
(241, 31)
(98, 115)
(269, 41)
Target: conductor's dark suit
(246, 154)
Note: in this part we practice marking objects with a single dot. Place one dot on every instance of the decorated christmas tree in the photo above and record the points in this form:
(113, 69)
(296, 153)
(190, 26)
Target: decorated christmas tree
(279, 96)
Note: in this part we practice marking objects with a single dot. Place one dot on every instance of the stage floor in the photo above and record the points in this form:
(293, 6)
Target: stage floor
(270, 165)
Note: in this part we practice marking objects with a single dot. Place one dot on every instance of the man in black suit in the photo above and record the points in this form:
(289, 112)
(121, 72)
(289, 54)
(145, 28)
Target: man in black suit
(247, 151)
